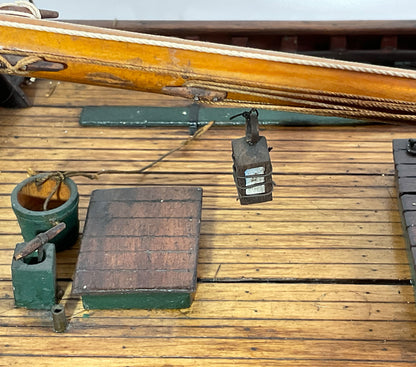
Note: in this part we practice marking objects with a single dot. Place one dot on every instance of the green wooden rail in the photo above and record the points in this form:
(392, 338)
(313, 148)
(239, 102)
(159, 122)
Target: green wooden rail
(195, 116)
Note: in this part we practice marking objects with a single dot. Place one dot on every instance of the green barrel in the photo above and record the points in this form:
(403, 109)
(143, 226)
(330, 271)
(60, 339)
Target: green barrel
(27, 202)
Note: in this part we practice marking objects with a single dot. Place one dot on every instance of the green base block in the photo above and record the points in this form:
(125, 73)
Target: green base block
(34, 284)
(142, 300)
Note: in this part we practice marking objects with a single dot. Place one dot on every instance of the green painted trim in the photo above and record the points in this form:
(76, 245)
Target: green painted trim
(137, 116)
(140, 300)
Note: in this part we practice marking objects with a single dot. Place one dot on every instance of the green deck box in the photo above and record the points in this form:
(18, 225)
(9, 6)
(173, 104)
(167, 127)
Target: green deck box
(139, 248)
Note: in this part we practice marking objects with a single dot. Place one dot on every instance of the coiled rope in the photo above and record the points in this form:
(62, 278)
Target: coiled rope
(32, 11)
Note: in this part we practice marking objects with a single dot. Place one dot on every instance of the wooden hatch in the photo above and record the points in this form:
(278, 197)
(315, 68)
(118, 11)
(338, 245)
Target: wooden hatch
(139, 248)
(405, 164)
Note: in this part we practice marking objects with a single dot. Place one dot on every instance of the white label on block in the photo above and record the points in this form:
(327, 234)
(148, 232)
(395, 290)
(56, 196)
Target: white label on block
(260, 189)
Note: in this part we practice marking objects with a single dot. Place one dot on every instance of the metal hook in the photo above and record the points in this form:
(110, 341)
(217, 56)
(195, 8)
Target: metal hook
(252, 125)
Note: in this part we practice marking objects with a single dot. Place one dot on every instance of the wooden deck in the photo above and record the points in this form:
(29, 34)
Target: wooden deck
(319, 276)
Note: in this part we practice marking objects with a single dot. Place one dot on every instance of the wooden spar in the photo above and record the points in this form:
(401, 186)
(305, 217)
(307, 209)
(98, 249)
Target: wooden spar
(41, 239)
(209, 72)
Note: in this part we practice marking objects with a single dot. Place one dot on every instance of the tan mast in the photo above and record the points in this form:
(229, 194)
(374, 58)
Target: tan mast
(210, 72)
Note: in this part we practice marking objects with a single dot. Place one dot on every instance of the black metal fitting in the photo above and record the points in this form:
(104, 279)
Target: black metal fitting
(411, 146)
(252, 125)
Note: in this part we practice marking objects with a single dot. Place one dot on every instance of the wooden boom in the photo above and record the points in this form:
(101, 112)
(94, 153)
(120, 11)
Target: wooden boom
(210, 73)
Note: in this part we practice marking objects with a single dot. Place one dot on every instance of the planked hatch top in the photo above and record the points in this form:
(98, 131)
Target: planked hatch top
(140, 239)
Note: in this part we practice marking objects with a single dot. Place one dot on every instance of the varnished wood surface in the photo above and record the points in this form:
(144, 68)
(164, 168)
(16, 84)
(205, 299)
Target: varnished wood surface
(207, 71)
(319, 276)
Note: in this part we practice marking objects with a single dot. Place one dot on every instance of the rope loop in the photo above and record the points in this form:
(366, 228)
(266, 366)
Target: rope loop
(19, 68)
(32, 11)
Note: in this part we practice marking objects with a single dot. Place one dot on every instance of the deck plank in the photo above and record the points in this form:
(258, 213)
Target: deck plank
(221, 348)
(319, 276)
(184, 362)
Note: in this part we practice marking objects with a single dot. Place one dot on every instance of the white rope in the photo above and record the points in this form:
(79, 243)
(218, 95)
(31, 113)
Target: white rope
(34, 12)
(232, 51)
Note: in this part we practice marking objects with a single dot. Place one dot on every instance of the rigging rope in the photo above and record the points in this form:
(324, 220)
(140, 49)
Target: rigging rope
(59, 176)
(304, 95)
(349, 106)
(355, 114)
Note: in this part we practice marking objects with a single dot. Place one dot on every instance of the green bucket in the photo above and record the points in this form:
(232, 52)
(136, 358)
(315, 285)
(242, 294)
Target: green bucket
(27, 202)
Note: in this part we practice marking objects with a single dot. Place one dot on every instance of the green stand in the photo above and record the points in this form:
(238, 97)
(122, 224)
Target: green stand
(34, 281)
